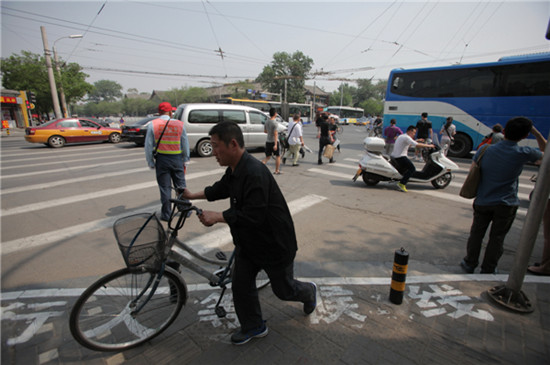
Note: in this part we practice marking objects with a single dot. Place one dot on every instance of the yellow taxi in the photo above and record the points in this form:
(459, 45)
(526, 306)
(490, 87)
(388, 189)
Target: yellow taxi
(58, 132)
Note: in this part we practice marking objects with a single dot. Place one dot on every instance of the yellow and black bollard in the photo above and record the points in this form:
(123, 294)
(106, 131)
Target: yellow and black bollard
(398, 276)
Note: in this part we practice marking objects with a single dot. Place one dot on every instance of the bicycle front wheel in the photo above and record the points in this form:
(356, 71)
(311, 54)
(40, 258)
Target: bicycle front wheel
(104, 318)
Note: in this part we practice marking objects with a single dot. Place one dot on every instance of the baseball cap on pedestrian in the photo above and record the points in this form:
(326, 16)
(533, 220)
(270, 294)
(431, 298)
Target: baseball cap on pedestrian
(165, 107)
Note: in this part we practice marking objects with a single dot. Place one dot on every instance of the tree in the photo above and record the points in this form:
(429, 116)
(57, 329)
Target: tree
(105, 90)
(372, 106)
(28, 72)
(347, 99)
(293, 68)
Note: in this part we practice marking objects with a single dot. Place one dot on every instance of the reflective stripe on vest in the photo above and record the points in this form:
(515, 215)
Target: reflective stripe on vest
(170, 143)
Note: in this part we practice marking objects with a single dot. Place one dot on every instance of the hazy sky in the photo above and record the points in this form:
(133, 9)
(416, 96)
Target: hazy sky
(129, 41)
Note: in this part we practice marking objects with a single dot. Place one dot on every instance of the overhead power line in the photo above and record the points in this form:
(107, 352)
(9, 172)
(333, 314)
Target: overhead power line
(165, 73)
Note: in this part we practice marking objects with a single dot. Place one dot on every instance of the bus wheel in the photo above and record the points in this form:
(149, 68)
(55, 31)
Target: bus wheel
(461, 147)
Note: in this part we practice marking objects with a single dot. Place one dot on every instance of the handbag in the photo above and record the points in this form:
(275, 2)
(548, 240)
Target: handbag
(469, 188)
(329, 151)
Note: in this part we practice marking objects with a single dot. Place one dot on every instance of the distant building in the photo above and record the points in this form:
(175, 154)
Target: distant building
(321, 96)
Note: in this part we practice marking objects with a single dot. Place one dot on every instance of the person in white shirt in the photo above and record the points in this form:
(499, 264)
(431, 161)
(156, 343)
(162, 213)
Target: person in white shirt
(400, 150)
(295, 140)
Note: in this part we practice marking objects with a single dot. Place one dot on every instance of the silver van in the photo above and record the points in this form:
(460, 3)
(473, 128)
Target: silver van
(200, 118)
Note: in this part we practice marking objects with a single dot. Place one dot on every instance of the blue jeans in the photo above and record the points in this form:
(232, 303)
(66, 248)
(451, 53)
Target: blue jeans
(169, 168)
(501, 217)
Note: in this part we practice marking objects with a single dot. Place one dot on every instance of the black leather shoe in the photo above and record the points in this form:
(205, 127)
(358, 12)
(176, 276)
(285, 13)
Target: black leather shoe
(309, 307)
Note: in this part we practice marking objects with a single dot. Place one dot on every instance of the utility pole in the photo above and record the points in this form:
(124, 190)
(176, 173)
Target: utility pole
(53, 88)
(61, 91)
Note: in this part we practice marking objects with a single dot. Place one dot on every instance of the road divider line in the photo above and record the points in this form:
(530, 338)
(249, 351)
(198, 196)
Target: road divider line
(203, 244)
(94, 195)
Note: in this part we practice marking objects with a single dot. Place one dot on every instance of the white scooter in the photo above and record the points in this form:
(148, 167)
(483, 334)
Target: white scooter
(375, 167)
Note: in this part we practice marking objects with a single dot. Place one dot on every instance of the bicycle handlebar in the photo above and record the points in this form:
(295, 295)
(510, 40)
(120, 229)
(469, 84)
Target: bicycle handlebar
(185, 205)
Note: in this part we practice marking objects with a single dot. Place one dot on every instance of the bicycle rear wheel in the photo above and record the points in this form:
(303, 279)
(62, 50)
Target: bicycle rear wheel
(102, 318)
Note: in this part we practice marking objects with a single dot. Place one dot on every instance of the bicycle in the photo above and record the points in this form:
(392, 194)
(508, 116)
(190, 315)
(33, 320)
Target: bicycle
(133, 305)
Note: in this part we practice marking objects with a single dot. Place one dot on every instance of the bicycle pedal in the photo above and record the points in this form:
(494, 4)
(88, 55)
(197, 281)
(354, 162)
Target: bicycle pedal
(221, 256)
(220, 312)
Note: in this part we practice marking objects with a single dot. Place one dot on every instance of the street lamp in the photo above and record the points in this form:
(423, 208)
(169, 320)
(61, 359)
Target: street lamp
(61, 92)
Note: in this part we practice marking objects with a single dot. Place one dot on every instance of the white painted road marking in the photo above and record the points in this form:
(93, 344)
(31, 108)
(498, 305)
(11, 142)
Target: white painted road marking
(434, 193)
(342, 281)
(65, 169)
(222, 236)
(202, 244)
(95, 195)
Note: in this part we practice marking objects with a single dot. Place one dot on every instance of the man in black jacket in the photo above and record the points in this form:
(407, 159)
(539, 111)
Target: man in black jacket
(262, 229)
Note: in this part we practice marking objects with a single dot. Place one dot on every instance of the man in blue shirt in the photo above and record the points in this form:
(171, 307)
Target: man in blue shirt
(497, 196)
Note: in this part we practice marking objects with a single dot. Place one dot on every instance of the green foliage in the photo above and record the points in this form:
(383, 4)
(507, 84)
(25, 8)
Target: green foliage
(105, 90)
(138, 107)
(372, 106)
(366, 95)
(293, 68)
(28, 71)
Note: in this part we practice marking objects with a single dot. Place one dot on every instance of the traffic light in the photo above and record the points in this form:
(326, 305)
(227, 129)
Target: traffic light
(32, 97)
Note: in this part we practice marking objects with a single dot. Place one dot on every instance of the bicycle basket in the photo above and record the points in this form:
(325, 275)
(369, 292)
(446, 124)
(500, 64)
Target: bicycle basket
(142, 240)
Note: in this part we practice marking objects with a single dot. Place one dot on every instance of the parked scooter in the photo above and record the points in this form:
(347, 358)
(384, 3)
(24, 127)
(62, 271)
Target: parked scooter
(375, 167)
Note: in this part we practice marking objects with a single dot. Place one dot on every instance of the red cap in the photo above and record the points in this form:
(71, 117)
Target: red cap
(165, 107)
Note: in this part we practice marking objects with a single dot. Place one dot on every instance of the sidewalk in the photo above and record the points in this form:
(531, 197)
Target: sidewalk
(14, 132)
(443, 319)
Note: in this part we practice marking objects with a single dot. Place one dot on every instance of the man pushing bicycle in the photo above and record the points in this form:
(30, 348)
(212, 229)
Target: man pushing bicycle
(262, 229)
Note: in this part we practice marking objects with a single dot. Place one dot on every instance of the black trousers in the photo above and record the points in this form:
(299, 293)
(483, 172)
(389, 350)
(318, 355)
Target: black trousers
(323, 141)
(408, 168)
(245, 293)
(501, 218)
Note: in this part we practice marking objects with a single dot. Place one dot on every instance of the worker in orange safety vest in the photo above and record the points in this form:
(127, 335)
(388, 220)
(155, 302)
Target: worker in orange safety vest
(167, 151)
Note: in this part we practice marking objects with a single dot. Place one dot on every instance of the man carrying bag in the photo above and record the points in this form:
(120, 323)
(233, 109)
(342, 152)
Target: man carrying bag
(167, 151)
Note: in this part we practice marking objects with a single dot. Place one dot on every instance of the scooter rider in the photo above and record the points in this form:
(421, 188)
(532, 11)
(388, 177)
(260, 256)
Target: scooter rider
(399, 153)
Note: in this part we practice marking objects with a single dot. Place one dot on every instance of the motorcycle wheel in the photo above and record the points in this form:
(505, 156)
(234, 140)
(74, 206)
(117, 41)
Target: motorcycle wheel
(370, 181)
(442, 181)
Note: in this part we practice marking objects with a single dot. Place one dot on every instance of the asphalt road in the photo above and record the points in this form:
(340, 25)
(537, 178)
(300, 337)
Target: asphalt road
(58, 206)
